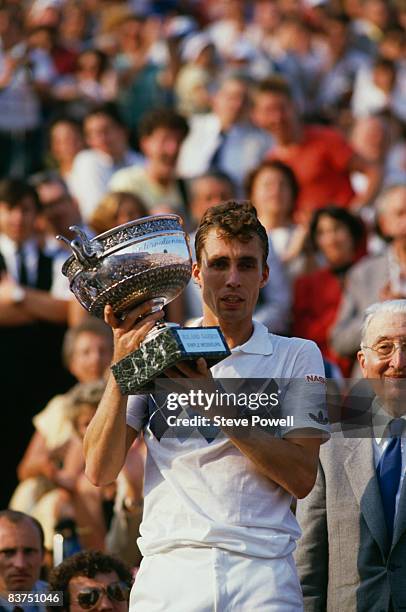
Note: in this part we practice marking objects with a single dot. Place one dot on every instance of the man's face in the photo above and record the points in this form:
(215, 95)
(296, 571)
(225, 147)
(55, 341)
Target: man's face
(230, 275)
(207, 192)
(105, 135)
(81, 584)
(230, 102)
(388, 373)
(161, 147)
(273, 112)
(57, 206)
(66, 141)
(21, 555)
(17, 222)
(271, 193)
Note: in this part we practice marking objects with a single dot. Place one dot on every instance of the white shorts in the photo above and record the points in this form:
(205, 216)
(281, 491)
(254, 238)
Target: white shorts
(215, 580)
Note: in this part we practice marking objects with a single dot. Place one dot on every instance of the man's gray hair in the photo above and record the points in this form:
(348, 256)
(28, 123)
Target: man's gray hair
(387, 307)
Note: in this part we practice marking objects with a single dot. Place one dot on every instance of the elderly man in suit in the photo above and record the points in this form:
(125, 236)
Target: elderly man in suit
(352, 554)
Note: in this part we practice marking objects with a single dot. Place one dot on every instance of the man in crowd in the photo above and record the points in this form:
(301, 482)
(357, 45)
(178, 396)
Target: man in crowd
(21, 558)
(320, 157)
(161, 133)
(58, 211)
(91, 580)
(217, 505)
(34, 300)
(352, 552)
(380, 277)
(107, 139)
(224, 139)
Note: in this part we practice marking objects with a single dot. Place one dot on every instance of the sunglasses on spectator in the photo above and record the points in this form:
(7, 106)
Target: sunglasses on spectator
(88, 598)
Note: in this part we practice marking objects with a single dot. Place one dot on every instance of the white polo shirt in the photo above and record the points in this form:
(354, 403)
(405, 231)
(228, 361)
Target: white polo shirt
(204, 492)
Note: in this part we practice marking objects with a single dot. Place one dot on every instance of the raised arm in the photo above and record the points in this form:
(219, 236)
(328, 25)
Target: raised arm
(108, 436)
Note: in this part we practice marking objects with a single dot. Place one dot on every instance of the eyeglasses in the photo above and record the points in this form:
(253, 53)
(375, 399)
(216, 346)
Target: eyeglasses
(88, 598)
(387, 349)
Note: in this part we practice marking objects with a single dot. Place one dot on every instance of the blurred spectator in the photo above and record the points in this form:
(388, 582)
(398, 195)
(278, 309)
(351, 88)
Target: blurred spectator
(53, 459)
(74, 26)
(208, 190)
(320, 157)
(92, 581)
(369, 28)
(224, 139)
(92, 82)
(195, 78)
(141, 83)
(108, 151)
(273, 189)
(262, 29)
(374, 278)
(227, 30)
(379, 88)
(393, 43)
(66, 493)
(59, 211)
(340, 66)
(116, 209)
(377, 139)
(21, 558)
(65, 142)
(34, 298)
(340, 237)
(22, 74)
(161, 133)
(43, 40)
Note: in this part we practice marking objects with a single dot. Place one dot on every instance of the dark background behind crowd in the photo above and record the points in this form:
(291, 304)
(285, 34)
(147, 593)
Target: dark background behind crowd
(110, 111)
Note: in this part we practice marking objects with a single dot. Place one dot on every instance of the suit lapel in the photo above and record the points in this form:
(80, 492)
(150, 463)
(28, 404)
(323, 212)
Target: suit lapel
(400, 519)
(360, 469)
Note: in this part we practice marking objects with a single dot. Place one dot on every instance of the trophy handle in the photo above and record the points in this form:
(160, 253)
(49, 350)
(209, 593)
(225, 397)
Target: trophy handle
(87, 252)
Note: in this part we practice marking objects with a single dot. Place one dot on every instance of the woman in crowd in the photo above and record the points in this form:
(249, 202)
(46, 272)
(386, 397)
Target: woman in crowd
(115, 209)
(87, 352)
(65, 142)
(273, 189)
(339, 237)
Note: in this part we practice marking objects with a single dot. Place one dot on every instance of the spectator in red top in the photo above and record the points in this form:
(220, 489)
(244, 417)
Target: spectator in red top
(340, 237)
(320, 157)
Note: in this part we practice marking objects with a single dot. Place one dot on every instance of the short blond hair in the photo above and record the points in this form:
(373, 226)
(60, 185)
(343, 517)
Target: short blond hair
(104, 216)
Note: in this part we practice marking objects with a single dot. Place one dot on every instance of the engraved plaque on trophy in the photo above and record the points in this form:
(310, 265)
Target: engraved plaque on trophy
(147, 259)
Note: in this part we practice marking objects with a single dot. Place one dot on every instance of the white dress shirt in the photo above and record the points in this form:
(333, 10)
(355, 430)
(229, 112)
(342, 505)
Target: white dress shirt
(9, 249)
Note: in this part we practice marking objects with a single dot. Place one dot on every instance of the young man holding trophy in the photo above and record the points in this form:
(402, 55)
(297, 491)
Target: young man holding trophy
(217, 532)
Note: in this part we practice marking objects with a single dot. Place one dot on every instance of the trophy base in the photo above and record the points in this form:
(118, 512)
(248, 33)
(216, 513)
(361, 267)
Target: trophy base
(162, 348)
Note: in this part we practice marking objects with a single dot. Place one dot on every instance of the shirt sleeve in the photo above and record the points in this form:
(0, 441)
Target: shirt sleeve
(303, 395)
(137, 411)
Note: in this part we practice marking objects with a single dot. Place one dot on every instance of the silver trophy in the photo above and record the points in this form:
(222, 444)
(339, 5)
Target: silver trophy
(147, 259)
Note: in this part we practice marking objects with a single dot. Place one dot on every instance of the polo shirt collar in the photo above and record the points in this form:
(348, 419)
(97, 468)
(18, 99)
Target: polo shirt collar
(259, 343)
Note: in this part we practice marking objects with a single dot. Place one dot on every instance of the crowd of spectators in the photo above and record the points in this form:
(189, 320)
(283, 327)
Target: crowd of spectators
(111, 110)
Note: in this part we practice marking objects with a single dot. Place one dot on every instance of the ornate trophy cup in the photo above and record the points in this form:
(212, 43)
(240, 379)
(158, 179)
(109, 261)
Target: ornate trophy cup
(147, 259)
